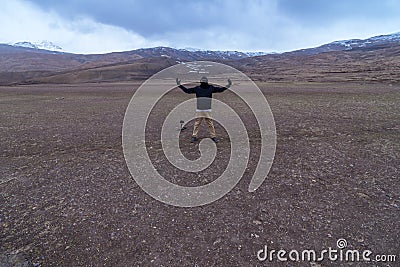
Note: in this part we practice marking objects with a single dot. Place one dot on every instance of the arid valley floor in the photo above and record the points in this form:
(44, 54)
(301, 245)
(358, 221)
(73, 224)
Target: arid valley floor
(67, 197)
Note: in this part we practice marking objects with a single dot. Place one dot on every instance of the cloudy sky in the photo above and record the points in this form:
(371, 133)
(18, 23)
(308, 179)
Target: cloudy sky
(98, 26)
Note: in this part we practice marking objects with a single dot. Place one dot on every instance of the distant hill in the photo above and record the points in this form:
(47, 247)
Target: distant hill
(25, 56)
(379, 63)
(354, 44)
(376, 59)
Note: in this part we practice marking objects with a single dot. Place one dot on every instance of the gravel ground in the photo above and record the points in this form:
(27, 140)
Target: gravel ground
(67, 198)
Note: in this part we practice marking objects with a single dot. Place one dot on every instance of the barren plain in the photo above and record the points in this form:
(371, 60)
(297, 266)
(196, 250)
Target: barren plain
(67, 197)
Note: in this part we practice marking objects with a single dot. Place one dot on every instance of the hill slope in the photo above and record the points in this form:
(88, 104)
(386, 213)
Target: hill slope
(376, 59)
(379, 63)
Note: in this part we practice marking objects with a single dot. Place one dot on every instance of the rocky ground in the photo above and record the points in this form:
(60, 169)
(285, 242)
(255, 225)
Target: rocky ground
(67, 198)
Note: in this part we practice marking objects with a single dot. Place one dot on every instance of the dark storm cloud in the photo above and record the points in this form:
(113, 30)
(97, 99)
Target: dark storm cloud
(263, 25)
(153, 17)
(312, 12)
(148, 18)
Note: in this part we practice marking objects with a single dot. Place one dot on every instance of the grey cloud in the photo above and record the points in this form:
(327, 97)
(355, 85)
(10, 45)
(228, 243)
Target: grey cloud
(312, 12)
(152, 17)
(274, 25)
(148, 18)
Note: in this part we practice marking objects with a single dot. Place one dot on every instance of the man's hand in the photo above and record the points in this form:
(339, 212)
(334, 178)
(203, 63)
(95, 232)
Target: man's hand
(178, 82)
(229, 83)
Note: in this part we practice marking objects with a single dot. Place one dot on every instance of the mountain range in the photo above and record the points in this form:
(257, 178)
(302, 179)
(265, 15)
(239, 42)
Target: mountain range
(375, 59)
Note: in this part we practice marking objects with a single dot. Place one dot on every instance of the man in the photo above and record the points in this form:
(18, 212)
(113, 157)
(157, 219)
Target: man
(204, 95)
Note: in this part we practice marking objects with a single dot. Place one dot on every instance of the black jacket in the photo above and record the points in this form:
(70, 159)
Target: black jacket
(203, 94)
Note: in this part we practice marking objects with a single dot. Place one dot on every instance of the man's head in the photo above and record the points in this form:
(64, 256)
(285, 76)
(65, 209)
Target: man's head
(204, 79)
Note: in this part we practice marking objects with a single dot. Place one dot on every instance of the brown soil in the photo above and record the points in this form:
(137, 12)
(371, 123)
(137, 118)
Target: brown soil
(67, 198)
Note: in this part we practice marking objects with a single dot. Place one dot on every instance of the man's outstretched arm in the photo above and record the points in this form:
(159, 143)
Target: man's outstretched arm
(221, 89)
(186, 90)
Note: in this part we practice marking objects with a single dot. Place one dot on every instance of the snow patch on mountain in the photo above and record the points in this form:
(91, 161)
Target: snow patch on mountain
(358, 43)
(45, 45)
(390, 37)
(226, 53)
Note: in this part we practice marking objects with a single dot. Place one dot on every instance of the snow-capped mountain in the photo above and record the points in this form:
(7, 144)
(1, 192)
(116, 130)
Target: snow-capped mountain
(347, 60)
(351, 44)
(183, 54)
(376, 40)
(389, 37)
(226, 53)
(45, 45)
(189, 53)
(186, 54)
